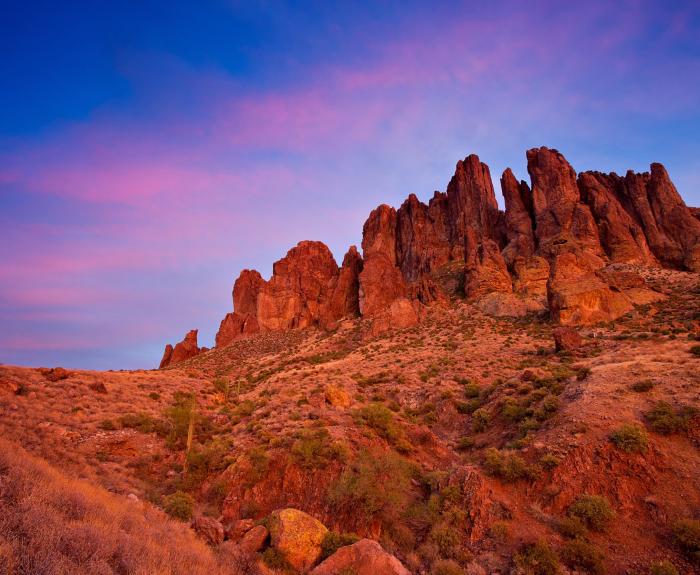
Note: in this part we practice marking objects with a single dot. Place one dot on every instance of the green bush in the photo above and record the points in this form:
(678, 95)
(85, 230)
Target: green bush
(179, 505)
(537, 559)
(140, 421)
(275, 559)
(381, 419)
(580, 554)
(507, 465)
(665, 420)
(314, 448)
(686, 533)
(663, 568)
(333, 541)
(571, 527)
(377, 485)
(593, 510)
(446, 537)
(480, 420)
(465, 443)
(107, 425)
(446, 567)
(643, 386)
(631, 438)
(204, 460)
(695, 350)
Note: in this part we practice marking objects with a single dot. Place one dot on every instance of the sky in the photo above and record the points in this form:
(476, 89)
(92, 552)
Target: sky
(149, 151)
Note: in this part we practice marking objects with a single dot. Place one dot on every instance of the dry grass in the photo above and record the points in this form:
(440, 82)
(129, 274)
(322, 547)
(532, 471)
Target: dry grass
(51, 524)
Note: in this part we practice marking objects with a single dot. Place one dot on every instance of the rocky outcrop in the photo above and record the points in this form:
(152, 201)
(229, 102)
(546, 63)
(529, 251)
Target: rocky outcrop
(546, 249)
(518, 219)
(299, 288)
(298, 536)
(566, 338)
(184, 350)
(366, 557)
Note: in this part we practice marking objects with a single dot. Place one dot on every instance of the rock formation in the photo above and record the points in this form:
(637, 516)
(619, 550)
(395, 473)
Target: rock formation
(186, 349)
(550, 249)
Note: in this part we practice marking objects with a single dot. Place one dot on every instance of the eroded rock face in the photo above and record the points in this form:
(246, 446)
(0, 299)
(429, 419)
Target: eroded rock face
(184, 350)
(560, 216)
(299, 287)
(621, 237)
(298, 536)
(344, 299)
(366, 557)
(547, 248)
(518, 219)
(578, 296)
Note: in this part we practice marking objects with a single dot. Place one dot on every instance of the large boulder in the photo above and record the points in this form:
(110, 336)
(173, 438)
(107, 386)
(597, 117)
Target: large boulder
(298, 536)
(209, 529)
(566, 338)
(366, 557)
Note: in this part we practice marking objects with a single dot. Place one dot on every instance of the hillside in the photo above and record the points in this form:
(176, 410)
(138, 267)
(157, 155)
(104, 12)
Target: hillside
(461, 439)
(479, 391)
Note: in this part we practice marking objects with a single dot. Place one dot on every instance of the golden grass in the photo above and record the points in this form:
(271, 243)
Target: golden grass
(51, 524)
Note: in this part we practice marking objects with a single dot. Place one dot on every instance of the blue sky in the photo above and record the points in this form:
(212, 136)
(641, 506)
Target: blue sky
(151, 150)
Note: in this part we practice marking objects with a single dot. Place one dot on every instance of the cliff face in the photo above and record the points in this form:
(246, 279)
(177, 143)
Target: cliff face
(549, 249)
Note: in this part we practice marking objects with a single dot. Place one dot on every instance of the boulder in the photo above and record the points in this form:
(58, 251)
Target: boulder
(566, 338)
(253, 540)
(366, 557)
(209, 529)
(298, 536)
(55, 373)
(234, 530)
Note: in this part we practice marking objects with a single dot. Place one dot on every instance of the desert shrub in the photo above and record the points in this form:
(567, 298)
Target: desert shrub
(580, 554)
(139, 421)
(686, 534)
(571, 527)
(643, 386)
(259, 462)
(507, 465)
(631, 438)
(537, 559)
(583, 373)
(446, 567)
(465, 443)
(593, 510)
(107, 425)
(549, 461)
(204, 460)
(376, 484)
(665, 420)
(480, 420)
(333, 541)
(222, 385)
(54, 524)
(663, 568)
(314, 448)
(245, 408)
(512, 410)
(695, 350)
(472, 391)
(179, 505)
(446, 538)
(275, 559)
(381, 419)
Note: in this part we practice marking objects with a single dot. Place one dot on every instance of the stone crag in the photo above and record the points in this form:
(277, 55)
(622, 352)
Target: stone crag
(549, 250)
